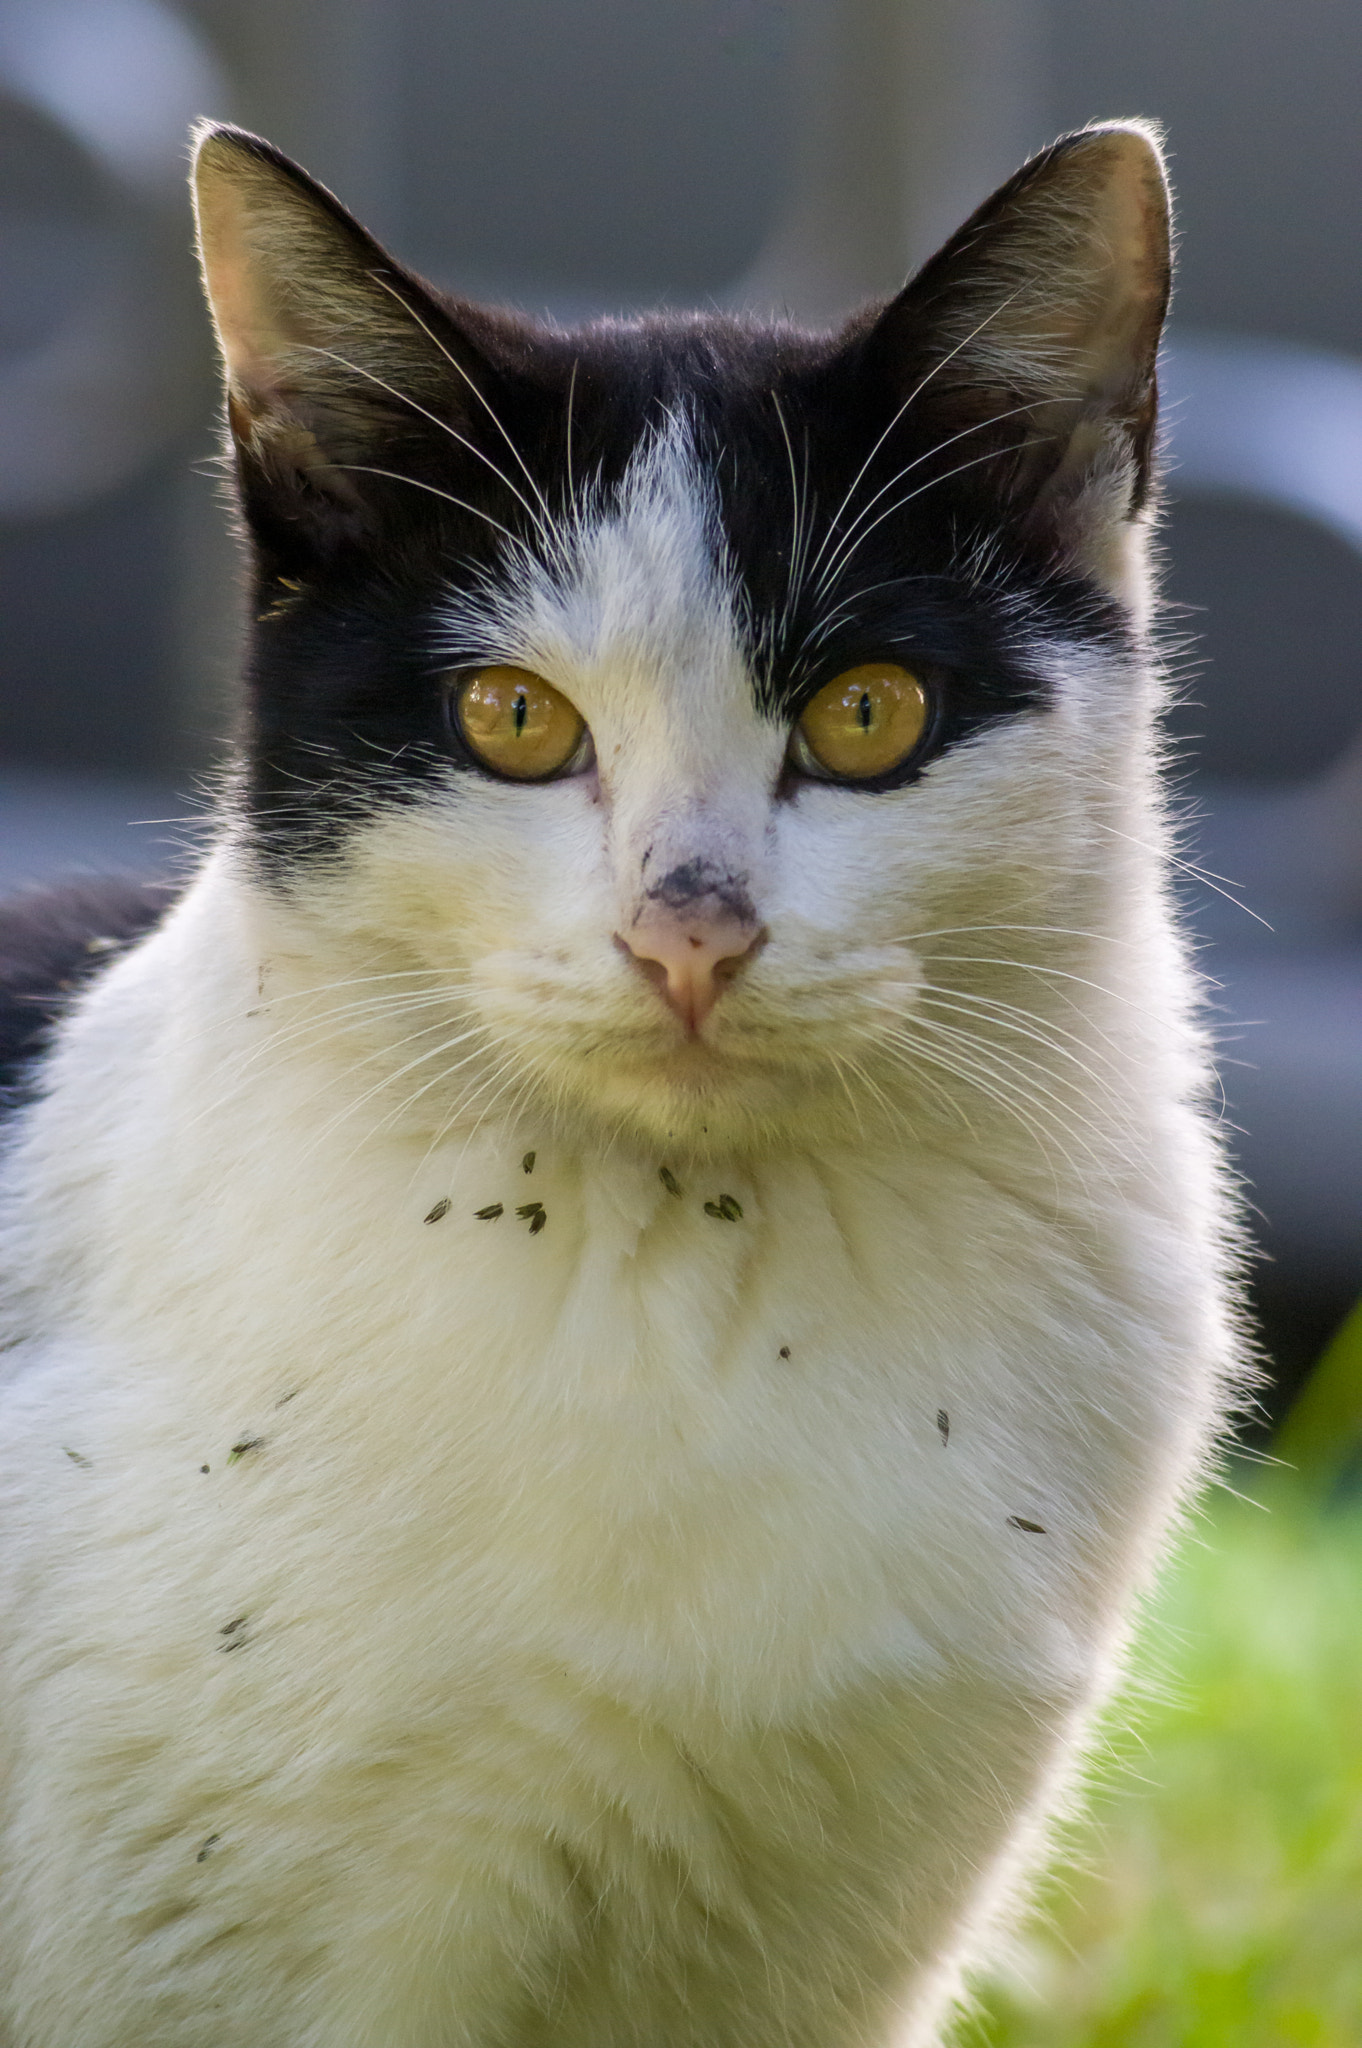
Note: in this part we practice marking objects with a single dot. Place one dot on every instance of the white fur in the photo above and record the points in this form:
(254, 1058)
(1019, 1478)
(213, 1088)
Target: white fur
(564, 1663)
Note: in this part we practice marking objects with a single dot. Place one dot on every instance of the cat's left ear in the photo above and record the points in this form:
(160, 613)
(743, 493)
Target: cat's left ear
(1029, 341)
(340, 365)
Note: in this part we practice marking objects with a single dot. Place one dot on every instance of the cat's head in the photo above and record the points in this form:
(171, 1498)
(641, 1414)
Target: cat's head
(663, 704)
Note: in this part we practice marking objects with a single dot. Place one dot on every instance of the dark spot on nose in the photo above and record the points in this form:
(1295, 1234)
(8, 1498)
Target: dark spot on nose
(691, 883)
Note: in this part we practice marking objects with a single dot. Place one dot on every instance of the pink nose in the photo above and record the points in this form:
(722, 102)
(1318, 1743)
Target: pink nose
(691, 960)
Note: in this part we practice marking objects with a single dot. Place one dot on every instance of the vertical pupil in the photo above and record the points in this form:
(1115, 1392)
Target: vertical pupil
(865, 711)
(520, 712)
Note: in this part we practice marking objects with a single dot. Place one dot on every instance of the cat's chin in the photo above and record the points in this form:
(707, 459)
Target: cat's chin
(703, 1099)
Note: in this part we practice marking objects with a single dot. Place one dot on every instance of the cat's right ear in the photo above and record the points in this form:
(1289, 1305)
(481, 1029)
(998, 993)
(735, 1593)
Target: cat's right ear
(338, 363)
(1027, 346)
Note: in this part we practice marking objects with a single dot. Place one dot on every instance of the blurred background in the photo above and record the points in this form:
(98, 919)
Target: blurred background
(607, 154)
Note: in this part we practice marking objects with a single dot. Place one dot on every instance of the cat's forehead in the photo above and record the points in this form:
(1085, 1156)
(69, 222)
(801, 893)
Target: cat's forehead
(629, 600)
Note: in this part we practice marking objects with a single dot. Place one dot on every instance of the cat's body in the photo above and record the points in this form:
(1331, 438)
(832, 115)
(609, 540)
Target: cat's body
(665, 1609)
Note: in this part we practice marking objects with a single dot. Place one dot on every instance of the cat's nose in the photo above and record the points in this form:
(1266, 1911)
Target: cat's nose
(691, 961)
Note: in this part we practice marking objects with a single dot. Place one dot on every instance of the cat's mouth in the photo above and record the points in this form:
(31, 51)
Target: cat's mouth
(772, 1054)
(696, 1062)
(709, 1084)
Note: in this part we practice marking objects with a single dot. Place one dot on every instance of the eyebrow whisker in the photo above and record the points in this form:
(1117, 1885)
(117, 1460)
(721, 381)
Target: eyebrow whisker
(546, 528)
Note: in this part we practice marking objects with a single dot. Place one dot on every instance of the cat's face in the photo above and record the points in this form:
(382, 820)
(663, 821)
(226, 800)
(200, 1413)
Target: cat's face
(677, 713)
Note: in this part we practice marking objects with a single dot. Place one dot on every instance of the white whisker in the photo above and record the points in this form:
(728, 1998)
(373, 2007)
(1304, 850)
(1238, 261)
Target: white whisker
(395, 476)
(847, 544)
(1026, 1024)
(960, 1056)
(800, 528)
(935, 371)
(1012, 1059)
(1186, 867)
(567, 434)
(989, 455)
(405, 398)
(545, 525)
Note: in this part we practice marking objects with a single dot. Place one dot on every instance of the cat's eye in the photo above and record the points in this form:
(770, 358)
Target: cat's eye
(518, 725)
(865, 724)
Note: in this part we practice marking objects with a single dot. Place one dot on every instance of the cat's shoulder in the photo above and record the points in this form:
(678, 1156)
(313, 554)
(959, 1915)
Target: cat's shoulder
(53, 941)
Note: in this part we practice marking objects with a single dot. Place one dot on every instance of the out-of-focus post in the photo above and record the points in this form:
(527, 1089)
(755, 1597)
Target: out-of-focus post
(908, 113)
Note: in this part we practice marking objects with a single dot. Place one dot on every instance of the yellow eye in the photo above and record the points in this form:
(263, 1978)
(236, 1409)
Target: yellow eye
(863, 724)
(514, 722)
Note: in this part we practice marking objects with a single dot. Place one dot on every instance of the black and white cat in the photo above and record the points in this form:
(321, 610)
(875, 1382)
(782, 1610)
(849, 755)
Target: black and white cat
(606, 1317)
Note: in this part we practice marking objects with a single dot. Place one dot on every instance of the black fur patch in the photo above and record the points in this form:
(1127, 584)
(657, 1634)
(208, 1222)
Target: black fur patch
(53, 942)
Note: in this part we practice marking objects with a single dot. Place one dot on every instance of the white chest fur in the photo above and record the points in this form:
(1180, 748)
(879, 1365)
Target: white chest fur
(366, 1567)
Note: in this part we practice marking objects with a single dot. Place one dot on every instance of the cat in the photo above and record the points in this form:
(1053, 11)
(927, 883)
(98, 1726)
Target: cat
(607, 1315)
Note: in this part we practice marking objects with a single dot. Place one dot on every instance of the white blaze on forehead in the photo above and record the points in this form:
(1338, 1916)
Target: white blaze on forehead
(635, 622)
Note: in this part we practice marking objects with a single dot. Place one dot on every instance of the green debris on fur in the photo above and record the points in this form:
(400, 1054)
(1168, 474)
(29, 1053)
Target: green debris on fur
(1213, 1897)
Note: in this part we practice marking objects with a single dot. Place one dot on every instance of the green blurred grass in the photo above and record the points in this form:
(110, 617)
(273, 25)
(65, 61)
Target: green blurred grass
(1213, 1898)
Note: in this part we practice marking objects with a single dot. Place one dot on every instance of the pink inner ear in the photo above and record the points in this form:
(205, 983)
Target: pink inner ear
(251, 335)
